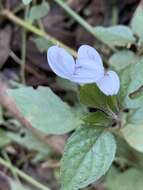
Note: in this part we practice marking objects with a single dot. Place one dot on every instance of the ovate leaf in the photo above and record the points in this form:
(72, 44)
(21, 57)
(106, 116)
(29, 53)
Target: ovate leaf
(87, 156)
(137, 21)
(134, 96)
(97, 118)
(38, 11)
(133, 129)
(125, 81)
(118, 35)
(90, 95)
(42, 44)
(122, 59)
(44, 110)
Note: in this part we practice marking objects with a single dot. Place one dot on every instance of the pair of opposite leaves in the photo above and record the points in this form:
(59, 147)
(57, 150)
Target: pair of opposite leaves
(87, 68)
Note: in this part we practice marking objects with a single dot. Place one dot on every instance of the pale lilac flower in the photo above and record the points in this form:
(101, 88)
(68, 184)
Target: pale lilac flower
(87, 68)
(109, 84)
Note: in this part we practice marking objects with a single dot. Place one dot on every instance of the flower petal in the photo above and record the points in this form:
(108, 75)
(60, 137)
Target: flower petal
(61, 62)
(87, 71)
(87, 52)
(109, 84)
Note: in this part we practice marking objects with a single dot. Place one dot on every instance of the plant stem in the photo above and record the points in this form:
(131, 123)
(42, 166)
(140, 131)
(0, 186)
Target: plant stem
(6, 157)
(23, 175)
(81, 21)
(77, 17)
(8, 14)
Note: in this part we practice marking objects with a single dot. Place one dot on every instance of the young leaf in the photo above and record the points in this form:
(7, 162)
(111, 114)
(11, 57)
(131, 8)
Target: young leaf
(134, 96)
(90, 95)
(97, 118)
(118, 35)
(44, 110)
(26, 2)
(125, 80)
(87, 156)
(121, 59)
(42, 44)
(38, 11)
(137, 21)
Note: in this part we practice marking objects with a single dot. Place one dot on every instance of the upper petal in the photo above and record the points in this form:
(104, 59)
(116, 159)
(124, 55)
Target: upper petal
(88, 52)
(61, 62)
(109, 84)
(87, 71)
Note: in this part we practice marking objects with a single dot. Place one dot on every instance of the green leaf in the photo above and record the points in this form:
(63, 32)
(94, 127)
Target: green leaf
(134, 86)
(117, 35)
(90, 95)
(133, 128)
(88, 155)
(125, 81)
(128, 180)
(26, 2)
(44, 110)
(135, 116)
(97, 118)
(38, 11)
(132, 133)
(42, 44)
(122, 59)
(137, 21)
